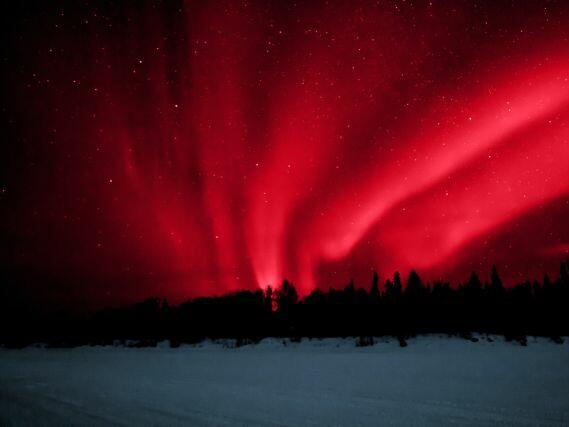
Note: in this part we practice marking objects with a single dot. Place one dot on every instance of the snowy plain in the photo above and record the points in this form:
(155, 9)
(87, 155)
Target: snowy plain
(433, 381)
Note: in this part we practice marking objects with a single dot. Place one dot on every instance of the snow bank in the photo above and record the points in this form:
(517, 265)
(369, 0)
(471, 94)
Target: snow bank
(432, 381)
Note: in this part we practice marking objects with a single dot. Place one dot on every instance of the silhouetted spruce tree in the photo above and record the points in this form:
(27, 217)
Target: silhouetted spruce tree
(442, 303)
(414, 290)
(471, 302)
(286, 297)
(387, 288)
(350, 291)
(496, 307)
(397, 283)
(561, 296)
(546, 281)
(269, 299)
(496, 289)
(286, 300)
(393, 289)
(413, 319)
(373, 309)
(374, 290)
(518, 308)
(495, 281)
(392, 298)
(474, 286)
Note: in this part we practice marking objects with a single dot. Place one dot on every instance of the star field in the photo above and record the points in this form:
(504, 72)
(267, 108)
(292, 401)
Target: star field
(190, 148)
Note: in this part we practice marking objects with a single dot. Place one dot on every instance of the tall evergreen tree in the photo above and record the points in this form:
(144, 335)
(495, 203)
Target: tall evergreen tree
(286, 297)
(547, 282)
(496, 285)
(474, 283)
(414, 286)
(397, 283)
(269, 299)
(374, 291)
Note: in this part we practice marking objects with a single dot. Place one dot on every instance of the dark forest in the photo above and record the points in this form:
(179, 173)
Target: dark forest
(399, 309)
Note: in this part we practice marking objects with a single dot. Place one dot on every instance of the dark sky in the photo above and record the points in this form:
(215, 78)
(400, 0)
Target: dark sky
(189, 148)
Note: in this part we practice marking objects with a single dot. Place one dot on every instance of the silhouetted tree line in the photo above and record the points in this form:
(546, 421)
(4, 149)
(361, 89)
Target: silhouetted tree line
(395, 309)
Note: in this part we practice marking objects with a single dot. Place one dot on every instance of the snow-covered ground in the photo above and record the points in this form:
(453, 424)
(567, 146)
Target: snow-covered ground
(432, 381)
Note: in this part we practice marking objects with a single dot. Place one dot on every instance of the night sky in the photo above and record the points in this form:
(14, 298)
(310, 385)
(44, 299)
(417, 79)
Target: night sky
(179, 149)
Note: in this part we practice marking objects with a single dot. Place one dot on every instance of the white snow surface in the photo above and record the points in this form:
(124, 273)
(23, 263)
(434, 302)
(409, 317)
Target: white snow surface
(433, 381)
